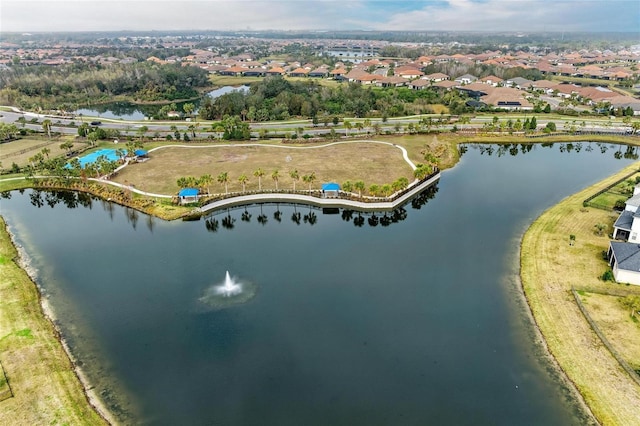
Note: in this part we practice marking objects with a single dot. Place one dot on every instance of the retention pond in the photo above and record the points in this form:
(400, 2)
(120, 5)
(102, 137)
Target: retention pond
(409, 317)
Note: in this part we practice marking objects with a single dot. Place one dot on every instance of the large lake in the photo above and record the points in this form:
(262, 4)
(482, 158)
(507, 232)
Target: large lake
(417, 322)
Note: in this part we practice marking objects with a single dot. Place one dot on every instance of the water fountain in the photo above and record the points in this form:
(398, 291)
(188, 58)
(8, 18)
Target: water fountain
(229, 293)
(229, 288)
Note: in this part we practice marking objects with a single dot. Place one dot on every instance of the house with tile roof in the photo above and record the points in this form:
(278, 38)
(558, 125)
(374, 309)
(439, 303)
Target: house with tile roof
(507, 98)
(492, 80)
(436, 77)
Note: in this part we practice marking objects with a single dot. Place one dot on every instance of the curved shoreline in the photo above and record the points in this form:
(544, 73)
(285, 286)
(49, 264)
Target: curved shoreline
(605, 388)
(532, 303)
(45, 329)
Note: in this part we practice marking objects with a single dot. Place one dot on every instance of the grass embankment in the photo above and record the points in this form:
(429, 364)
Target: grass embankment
(621, 330)
(44, 385)
(550, 267)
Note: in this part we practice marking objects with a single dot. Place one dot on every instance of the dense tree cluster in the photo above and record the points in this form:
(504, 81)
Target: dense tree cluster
(275, 98)
(81, 82)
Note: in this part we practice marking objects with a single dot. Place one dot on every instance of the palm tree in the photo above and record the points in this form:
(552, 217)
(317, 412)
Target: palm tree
(347, 127)
(67, 146)
(243, 179)
(422, 171)
(259, 173)
(359, 185)
(223, 178)
(205, 180)
(309, 179)
(359, 126)
(367, 124)
(219, 130)
(295, 176)
(142, 130)
(46, 126)
(275, 175)
(347, 186)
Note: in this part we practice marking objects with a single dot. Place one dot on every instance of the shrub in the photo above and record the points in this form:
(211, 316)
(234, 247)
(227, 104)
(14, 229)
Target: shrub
(608, 276)
(620, 204)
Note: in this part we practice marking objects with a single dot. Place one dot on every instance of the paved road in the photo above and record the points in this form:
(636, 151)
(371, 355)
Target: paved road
(130, 128)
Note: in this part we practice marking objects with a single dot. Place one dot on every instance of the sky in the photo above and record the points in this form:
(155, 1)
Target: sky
(416, 15)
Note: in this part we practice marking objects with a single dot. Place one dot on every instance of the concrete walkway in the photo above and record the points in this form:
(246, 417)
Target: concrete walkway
(415, 189)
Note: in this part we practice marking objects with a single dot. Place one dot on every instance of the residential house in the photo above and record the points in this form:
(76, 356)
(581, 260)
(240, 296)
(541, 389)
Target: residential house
(392, 81)
(507, 98)
(518, 83)
(436, 77)
(624, 256)
(299, 72)
(466, 79)
(491, 80)
(420, 84)
(624, 259)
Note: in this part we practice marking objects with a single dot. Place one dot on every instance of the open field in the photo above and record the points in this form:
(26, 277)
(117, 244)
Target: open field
(616, 323)
(549, 268)
(19, 151)
(370, 162)
(45, 388)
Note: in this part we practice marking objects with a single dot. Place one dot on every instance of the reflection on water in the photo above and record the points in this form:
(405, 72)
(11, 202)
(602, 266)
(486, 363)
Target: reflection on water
(130, 111)
(619, 152)
(310, 215)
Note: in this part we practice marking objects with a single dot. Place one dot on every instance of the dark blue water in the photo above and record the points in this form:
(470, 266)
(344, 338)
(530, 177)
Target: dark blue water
(417, 322)
(130, 111)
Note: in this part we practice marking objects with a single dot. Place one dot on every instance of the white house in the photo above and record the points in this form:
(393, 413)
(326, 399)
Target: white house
(624, 259)
(627, 226)
(466, 79)
(624, 256)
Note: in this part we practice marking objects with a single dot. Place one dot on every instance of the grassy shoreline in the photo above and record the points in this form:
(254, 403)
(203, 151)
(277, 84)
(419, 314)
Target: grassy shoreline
(549, 268)
(47, 386)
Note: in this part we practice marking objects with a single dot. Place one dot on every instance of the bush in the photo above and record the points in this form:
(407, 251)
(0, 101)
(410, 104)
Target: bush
(620, 204)
(608, 276)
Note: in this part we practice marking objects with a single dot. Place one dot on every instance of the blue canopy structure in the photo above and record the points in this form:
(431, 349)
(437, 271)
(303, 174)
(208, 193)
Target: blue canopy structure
(140, 152)
(188, 192)
(331, 186)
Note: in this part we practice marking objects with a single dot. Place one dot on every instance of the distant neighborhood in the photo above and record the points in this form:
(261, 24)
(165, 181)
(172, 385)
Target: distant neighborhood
(562, 79)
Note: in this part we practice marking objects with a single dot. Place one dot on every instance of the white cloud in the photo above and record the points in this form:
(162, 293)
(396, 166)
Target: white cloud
(513, 15)
(448, 15)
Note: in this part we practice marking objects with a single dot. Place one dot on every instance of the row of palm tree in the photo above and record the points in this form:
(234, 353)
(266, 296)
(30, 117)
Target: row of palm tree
(376, 190)
(223, 178)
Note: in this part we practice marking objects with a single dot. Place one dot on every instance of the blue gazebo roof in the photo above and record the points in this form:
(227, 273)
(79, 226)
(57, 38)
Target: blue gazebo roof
(140, 152)
(188, 192)
(331, 186)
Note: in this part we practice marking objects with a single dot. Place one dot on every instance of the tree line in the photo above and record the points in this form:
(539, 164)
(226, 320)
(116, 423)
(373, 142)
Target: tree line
(68, 86)
(275, 98)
